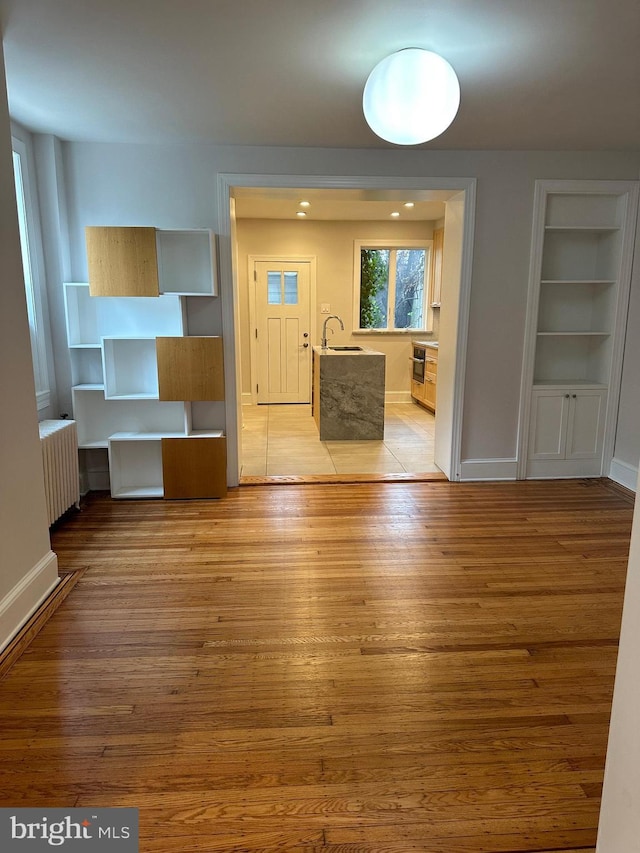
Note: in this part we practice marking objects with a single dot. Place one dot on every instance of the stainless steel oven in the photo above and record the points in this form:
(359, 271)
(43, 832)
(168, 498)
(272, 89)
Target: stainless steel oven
(419, 359)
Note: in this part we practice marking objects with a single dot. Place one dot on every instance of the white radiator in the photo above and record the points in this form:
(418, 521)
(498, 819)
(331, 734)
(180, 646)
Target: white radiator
(59, 441)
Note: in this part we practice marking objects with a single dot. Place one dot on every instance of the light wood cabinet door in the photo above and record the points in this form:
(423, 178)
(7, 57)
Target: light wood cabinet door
(194, 467)
(430, 390)
(190, 369)
(122, 261)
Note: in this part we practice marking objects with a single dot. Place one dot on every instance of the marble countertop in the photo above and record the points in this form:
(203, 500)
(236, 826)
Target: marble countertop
(361, 351)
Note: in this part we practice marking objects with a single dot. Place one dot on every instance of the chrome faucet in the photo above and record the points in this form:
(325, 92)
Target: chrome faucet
(324, 328)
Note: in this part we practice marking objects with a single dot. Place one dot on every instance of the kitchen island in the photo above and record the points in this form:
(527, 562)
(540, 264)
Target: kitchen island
(348, 393)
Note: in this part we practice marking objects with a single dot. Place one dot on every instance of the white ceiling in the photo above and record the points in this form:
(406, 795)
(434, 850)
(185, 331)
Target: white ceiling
(534, 74)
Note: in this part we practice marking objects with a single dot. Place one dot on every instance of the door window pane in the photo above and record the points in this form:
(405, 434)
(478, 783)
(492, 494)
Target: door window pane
(410, 276)
(274, 288)
(291, 288)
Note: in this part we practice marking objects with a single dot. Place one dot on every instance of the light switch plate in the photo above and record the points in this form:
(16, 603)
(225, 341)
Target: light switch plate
(325, 308)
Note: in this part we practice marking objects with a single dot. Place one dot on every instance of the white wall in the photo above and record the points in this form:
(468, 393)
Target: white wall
(619, 828)
(28, 567)
(627, 446)
(175, 186)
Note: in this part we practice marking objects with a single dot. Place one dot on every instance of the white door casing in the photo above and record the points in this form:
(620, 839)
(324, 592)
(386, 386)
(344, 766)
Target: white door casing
(229, 287)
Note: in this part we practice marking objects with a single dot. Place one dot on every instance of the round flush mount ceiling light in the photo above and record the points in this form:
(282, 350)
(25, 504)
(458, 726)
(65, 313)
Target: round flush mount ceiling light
(411, 97)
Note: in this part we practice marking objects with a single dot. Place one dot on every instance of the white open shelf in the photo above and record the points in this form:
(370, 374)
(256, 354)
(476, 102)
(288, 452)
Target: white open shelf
(186, 262)
(91, 318)
(98, 418)
(584, 210)
(135, 465)
(576, 307)
(572, 359)
(580, 254)
(86, 365)
(130, 368)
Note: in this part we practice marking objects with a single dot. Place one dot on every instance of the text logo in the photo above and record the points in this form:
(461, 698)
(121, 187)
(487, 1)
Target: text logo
(105, 830)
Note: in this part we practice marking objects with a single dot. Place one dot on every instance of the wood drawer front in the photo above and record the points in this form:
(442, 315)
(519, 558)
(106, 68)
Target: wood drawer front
(431, 365)
(194, 467)
(190, 368)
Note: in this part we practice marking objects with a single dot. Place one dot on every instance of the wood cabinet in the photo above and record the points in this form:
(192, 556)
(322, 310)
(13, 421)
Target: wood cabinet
(190, 368)
(430, 381)
(579, 285)
(425, 392)
(122, 261)
(149, 261)
(194, 467)
(145, 389)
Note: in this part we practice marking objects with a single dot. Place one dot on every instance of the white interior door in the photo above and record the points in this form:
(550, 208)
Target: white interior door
(283, 325)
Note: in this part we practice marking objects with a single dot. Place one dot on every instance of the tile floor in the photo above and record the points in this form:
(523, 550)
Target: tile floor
(282, 440)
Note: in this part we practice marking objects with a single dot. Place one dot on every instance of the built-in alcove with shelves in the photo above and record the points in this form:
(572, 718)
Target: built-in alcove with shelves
(578, 297)
(146, 365)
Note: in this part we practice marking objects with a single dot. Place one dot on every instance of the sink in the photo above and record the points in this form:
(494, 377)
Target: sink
(346, 349)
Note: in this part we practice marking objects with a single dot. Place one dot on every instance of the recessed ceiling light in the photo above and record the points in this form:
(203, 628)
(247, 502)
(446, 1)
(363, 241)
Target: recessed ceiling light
(301, 213)
(395, 213)
(409, 204)
(304, 203)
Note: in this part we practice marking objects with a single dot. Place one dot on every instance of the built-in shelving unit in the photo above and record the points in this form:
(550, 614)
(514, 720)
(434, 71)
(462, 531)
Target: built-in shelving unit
(123, 347)
(146, 262)
(578, 295)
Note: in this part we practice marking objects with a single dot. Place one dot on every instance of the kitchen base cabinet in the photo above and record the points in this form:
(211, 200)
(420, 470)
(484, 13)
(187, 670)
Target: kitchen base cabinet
(566, 432)
(424, 393)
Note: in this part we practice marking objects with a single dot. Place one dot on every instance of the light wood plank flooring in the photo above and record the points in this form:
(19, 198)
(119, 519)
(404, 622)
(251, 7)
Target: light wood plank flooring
(331, 669)
(284, 440)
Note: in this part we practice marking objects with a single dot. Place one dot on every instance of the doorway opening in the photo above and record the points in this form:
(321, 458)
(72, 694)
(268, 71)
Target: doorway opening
(258, 218)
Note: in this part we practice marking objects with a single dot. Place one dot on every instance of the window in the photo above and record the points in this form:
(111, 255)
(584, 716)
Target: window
(391, 285)
(31, 253)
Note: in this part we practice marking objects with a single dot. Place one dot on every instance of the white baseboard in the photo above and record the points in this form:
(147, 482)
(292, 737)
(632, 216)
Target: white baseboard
(488, 469)
(397, 397)
(19, 604)
(626, 475)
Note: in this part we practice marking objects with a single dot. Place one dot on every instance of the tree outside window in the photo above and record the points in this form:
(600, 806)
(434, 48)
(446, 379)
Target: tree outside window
(392, 287)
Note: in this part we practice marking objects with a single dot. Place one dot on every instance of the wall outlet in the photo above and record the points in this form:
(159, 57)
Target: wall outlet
(325, 308)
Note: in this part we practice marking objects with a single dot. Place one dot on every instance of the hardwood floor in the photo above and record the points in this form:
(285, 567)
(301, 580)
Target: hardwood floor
(331, 669)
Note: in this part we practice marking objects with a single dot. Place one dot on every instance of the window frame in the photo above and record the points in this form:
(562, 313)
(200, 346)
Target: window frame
(390, 244)
(35, 288)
